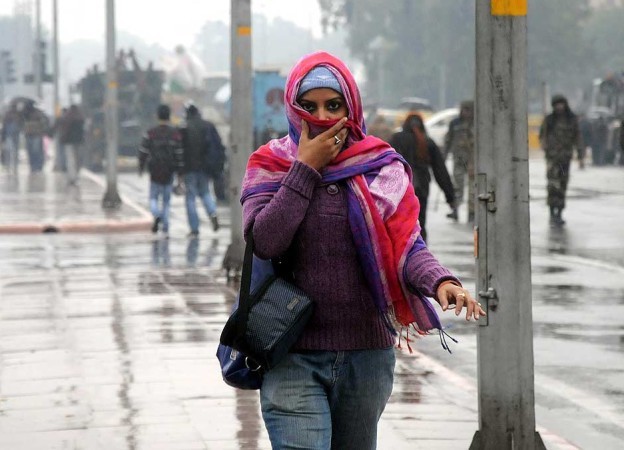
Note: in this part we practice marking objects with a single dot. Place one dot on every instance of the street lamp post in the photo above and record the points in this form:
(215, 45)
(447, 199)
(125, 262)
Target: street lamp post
(111, 197)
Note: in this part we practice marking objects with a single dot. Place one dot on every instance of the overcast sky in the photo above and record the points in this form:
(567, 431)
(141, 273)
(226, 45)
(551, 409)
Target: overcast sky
(166, 22)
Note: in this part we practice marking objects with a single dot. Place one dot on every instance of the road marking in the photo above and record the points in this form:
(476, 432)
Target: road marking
(583, 261)
(131, 203)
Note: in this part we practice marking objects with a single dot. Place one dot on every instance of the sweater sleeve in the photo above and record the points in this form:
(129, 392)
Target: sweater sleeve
(424, 273)
(275, 219)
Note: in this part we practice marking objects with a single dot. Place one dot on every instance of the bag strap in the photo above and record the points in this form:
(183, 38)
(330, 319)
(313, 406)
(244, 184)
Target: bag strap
(244, 301)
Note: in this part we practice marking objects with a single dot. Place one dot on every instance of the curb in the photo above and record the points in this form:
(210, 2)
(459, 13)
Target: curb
(97, 226)
(103, 226)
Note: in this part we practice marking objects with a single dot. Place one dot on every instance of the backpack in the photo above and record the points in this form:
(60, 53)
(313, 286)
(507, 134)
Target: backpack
(215, 154)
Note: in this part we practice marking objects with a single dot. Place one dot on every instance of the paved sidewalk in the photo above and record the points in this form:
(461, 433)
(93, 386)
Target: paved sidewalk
(45, 202)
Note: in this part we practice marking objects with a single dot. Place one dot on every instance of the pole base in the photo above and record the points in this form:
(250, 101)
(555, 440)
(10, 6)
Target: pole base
(233, 260)
(478, 443)
(111, 200)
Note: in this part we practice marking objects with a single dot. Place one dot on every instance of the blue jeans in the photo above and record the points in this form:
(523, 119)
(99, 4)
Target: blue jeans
(327, 400)
(157, 191)
(34, 146)
(197, 186)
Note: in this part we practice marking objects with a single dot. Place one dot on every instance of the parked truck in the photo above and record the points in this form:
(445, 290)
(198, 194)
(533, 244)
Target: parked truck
(139, 93)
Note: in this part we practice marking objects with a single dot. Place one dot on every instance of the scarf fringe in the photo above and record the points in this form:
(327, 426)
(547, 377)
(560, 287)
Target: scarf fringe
(404, 332)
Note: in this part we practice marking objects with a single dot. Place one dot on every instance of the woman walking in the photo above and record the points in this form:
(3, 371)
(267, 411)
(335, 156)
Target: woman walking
(341, 205)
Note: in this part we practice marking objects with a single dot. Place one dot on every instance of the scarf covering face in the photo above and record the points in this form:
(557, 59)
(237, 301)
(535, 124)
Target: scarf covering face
(382, 207)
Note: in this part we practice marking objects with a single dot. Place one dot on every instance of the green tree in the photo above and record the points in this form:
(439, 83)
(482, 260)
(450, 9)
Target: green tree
(604, 34)
(409, 48)
(557, 53)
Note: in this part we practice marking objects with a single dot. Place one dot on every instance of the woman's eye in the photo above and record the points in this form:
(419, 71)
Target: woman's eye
(309, 107)
(334, 106)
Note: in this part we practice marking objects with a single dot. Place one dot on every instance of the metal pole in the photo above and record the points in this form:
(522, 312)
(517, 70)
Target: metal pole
(111, 197)
(55, 57)
(241, 141)
(37, 59)
(505, 338)
(56, 105)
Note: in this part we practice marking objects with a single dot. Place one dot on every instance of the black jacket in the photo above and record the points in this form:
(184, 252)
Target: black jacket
(161, 151)
(404, 142)
(203, 149)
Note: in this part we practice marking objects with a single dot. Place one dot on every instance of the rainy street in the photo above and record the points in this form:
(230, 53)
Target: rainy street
(345, 128)
(108, 340)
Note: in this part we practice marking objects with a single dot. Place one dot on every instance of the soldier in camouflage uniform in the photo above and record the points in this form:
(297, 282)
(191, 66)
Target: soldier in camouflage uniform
(460, 141)
(559, 135)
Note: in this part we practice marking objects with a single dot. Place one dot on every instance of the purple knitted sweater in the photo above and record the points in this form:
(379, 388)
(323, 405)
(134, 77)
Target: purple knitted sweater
(312, 218)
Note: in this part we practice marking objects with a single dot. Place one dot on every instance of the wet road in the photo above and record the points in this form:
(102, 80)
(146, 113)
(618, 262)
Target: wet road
(578, 307)
(107, 341)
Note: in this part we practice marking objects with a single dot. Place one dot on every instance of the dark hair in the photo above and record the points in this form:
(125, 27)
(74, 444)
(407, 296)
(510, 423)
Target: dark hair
(192, 111)
(163, 112)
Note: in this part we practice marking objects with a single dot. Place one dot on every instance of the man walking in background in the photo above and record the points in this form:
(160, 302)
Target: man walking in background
(161, 151)
(559, 135)
(204, 155)
(11, 129)
(72, 138)
(460, 141)
(35, 127)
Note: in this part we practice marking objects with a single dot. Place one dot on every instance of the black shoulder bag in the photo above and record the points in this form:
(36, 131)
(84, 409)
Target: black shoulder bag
(269, 320)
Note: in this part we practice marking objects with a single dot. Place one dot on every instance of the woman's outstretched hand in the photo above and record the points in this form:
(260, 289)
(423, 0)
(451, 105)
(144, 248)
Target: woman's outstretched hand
(321, 150)
(452, 296)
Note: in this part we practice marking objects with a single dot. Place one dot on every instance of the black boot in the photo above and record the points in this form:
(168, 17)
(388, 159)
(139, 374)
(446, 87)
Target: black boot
(553, 215)
(453, 215)
(559, 219)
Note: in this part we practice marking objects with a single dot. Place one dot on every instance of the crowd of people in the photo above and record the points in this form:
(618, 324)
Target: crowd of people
(24, 118)
(562, 134)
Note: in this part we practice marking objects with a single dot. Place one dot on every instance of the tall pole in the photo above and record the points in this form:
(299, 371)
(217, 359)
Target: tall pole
(111, 197)
(56, 106)
(241, 141)
(55, 57)
(505, 338)
(38, 55)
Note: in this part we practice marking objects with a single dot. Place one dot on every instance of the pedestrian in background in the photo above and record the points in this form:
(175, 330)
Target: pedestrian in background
(60, 158)
(622, 143)
(423, 156)
(161, 151)
(204, 156)
(11, 129)
(460, 141)
(559, 136)
(36, 125)
(72, 139)
(341, 205)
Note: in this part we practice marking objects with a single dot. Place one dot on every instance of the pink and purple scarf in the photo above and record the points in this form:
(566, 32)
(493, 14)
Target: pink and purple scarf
(383, 209)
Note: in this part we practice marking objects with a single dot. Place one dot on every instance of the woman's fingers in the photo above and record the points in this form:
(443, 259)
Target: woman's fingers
(443, 298)
(460, 298)
(305, 131)
(333, 131)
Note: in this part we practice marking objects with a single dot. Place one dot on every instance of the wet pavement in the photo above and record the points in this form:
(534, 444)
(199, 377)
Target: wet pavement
(107, 341)
(46, 202)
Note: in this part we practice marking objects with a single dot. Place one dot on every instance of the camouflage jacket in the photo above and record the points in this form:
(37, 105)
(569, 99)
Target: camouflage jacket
(460, 140)
(559, 137)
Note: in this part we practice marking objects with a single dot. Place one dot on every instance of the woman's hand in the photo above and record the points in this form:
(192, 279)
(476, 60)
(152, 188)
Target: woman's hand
(458, 297)
(320, 151)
